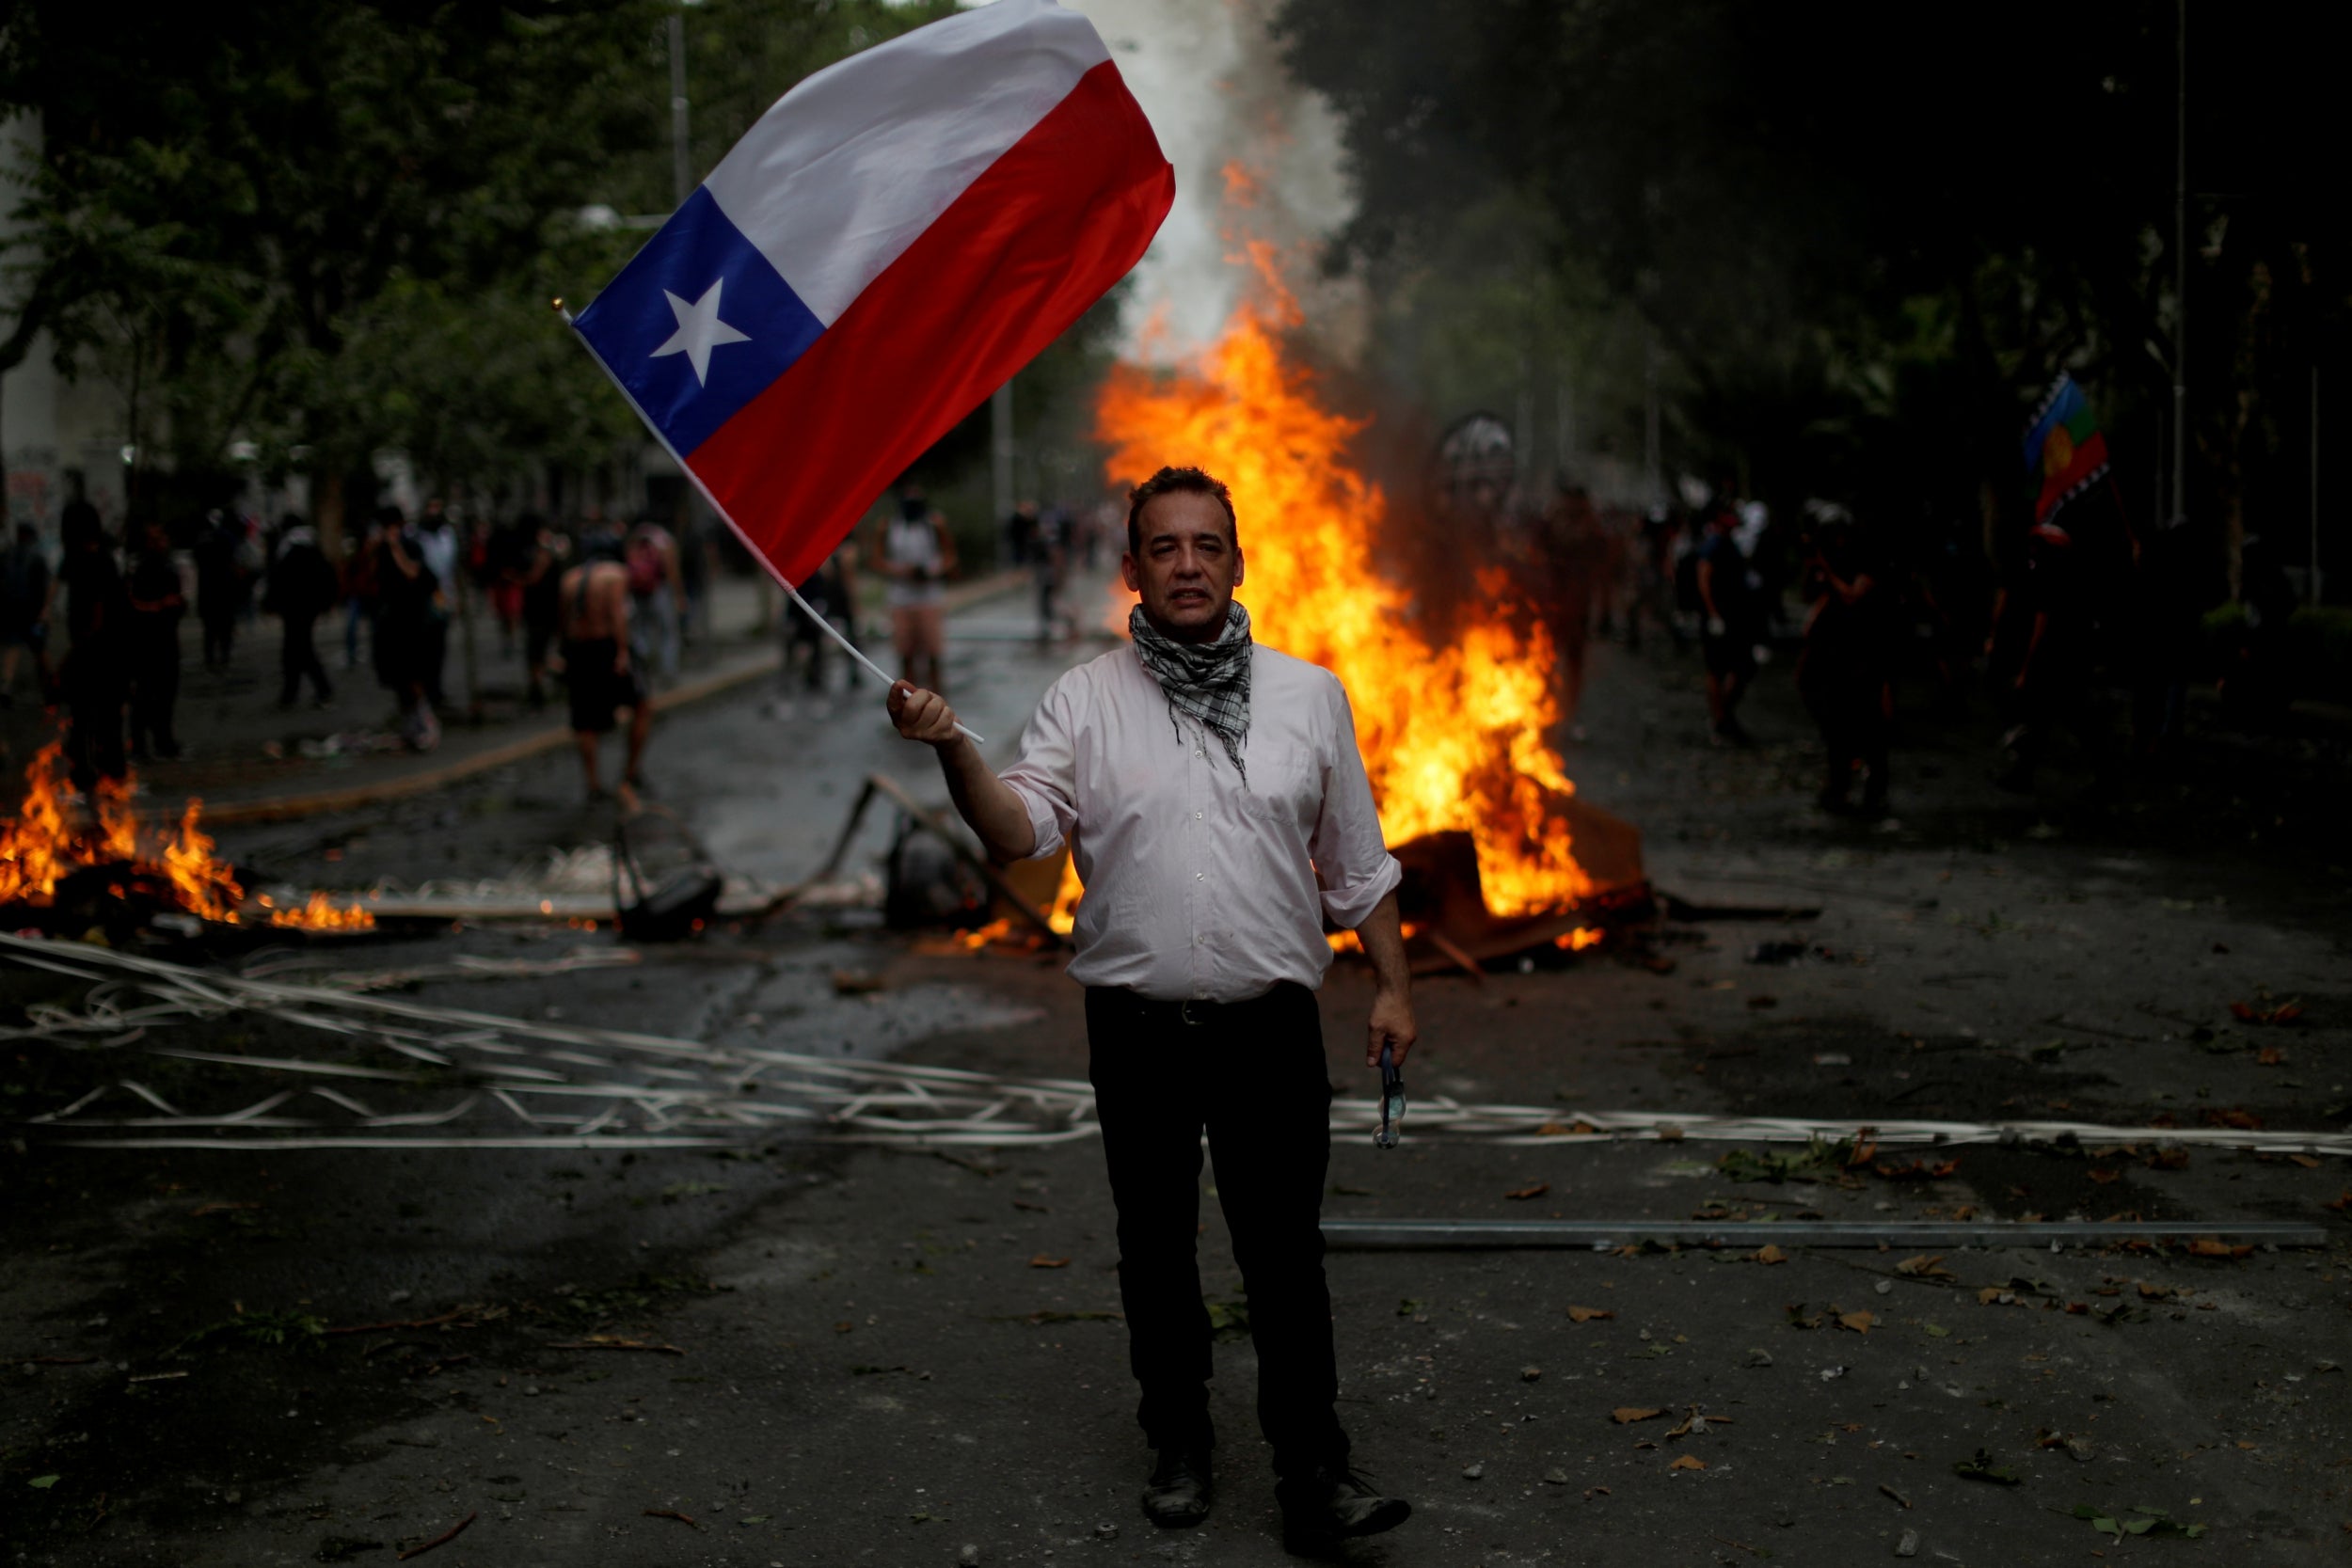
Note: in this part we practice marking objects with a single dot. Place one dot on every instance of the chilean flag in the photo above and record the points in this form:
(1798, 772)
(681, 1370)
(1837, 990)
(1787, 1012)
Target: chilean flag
(886, 248)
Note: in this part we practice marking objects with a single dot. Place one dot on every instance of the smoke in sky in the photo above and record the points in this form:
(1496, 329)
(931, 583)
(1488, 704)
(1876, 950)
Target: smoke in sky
(1211, 83)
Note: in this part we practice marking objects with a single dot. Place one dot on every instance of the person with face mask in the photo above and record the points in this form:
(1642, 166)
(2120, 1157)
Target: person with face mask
(1218, 812)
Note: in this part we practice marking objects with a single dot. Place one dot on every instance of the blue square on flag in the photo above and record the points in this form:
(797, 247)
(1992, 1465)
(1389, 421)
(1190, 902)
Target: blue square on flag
(698, 323)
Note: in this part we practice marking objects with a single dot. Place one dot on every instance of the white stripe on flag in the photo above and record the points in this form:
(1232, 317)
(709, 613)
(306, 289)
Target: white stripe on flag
(849, 166)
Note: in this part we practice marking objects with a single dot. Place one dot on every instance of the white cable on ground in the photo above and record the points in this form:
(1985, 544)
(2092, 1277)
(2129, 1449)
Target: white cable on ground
(572, 1087)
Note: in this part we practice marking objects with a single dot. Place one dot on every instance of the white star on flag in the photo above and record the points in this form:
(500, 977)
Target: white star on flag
(699, 330)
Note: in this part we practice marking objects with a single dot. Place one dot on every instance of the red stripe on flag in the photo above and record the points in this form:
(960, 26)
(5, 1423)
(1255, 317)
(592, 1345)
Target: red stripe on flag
(2088, 460)
(1010, 263)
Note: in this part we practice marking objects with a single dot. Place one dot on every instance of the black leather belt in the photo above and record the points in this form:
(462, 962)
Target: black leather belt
(1193, 1012)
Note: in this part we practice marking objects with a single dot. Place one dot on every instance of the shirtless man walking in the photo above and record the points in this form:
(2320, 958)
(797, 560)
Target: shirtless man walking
(593, 603)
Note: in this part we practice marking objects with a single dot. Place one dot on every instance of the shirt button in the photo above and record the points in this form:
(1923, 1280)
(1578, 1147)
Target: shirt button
(1198, 753)
(1199, 876)
(1196, 816)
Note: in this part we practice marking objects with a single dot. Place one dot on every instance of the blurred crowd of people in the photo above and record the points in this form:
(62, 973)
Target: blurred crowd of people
(2050, 620)
(97, 632)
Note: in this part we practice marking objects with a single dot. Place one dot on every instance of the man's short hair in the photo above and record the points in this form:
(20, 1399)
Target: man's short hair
(1191, 481)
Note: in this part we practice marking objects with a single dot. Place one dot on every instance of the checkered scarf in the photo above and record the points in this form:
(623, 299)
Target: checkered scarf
(1207, 682)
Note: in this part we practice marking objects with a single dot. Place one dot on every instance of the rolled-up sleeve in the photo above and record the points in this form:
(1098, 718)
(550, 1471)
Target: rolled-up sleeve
(1046, 776)
(1352, 860)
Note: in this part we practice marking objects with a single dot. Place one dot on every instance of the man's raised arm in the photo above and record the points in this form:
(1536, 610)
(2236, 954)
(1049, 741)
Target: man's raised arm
(983, 799)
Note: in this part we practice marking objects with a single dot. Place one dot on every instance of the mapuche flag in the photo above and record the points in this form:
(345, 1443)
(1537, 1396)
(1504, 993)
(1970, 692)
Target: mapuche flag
(2064, 447)
(885, 248)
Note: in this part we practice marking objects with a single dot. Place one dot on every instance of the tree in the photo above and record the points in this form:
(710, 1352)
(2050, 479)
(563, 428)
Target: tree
(1865, 235)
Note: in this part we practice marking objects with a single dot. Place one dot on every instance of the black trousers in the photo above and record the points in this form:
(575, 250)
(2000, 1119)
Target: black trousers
(297, 656)
(1251, 1075)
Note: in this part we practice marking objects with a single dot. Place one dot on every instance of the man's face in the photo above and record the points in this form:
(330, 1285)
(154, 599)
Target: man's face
(1190, 565)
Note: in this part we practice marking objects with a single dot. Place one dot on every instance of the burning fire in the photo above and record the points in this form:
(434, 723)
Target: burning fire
(1452, 735)
(42, 846)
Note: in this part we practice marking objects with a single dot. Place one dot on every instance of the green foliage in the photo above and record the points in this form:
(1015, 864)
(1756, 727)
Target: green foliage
(1818, 1161)
(333, 227)
(275, 1330)
(2137, 1521)
(1864, 237)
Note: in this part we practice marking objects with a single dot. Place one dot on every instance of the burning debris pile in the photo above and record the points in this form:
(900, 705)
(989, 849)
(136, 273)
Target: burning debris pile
(67, 866)
(1499, 854)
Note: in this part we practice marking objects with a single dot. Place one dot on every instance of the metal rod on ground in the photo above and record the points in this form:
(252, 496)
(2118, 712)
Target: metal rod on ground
(748, 543)
(1467, 1234)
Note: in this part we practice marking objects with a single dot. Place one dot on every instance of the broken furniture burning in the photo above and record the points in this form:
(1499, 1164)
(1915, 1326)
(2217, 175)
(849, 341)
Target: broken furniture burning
(71, 863)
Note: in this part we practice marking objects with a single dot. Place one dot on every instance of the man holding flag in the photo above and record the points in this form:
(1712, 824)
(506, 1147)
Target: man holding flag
(1216, 806)
(893, 239)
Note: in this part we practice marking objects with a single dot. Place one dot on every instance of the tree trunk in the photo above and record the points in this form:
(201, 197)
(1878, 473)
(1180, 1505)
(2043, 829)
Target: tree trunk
(327, 513)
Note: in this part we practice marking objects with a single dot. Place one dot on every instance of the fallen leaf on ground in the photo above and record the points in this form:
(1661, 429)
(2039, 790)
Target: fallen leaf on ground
(1688, 1462)
(2270, 1055)
(1043, 1261)
(2175, 1158)
(1859, 1322)
(2104, 1177)
(2235, 1117)
(1925, 1266)
(2342, 1205)
(1696, 1423)
(1522, 1193)
(1768, 1253)
(1981, 1468)
(2206, 1247)
(2255, 1012)
(1918, 1170)
(1626, 1415)
(2306, 1160)
(1594, 1314)
(1408, 1305)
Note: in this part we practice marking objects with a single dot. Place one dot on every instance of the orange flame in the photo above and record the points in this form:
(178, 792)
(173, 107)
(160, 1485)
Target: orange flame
(1452, 735)
(42, 846)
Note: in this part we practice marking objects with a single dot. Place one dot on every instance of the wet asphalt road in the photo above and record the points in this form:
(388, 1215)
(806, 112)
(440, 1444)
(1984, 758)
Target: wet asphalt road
(891, 1357)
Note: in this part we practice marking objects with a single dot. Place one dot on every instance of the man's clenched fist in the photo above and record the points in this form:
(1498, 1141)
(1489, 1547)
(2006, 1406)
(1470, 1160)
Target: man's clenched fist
(921, 715)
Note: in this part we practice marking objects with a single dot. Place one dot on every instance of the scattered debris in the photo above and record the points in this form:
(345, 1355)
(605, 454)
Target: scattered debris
(1980, 1466)
(1523, 1194)
(1626, 1415)
(1688, 1462)
(1759, 1357)
(685, 1519)
(2266, 1011)
(1769, 1253)
(1474, 1472)
(1861, 1323)
(1531, 1374)
(607, 1342)
(2137, 1521)
(1555, 1477)
(1925, 1266)
(441, 1539)
(1896, 1496)
(1046, 1260)
(1595, 1314)
(342, 1548)
(1909, 1545)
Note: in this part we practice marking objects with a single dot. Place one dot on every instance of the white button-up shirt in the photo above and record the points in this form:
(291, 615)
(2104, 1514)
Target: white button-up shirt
(1198, 886)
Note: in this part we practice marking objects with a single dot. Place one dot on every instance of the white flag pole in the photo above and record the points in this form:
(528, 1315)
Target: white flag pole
(757, 554)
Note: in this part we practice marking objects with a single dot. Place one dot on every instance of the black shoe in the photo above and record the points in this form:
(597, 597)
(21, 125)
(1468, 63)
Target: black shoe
(1331, 1503)
(1177, 1496)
